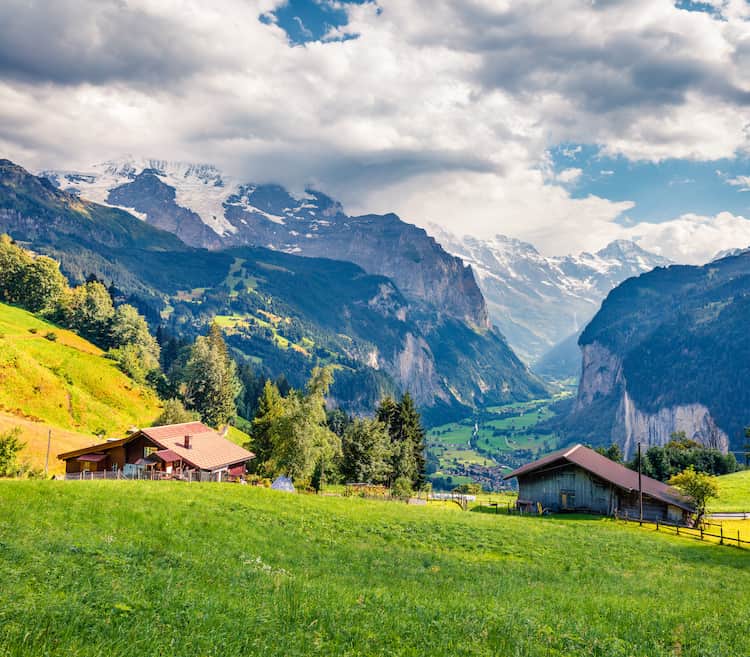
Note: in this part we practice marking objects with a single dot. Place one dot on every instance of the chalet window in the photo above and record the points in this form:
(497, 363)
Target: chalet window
(148, 451)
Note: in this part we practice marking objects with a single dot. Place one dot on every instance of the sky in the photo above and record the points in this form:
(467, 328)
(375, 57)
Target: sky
(567, 124)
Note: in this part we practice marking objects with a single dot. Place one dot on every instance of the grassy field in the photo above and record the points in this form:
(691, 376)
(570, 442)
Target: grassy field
(65, 383)
(734, 493)
(141, 568)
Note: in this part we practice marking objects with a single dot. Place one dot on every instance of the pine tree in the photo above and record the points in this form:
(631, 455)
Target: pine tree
(211, 382)
(265, 423)
(366, 448)
(413, 435)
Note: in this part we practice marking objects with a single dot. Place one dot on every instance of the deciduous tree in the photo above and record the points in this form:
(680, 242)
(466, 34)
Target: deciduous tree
(697, 485)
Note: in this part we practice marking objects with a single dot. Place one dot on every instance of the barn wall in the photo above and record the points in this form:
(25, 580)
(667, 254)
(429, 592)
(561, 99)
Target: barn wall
(652, 509)
(567, 488)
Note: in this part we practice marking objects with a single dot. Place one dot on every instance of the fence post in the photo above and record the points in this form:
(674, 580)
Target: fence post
(701, 528)
(678, 529)
(721, 532)
(738, 538)
(657, 525)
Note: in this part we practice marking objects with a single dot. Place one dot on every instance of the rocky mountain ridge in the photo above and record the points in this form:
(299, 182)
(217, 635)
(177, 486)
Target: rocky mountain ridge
(538, 301)
(283, 312)
(207, 209)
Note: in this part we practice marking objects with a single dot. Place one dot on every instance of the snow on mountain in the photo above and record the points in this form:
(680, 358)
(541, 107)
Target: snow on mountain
(199, 187)
(208, 209)
(726, 253)
(538, 301)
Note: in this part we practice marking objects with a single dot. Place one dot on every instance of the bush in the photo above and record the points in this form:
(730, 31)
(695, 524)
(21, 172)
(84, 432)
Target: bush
(51, 336)
(10, 446)
(402, 488)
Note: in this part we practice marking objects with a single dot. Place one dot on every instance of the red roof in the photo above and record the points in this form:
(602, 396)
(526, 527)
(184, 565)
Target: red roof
(610, 471)
(93, 458)
(168, 456)
(208, 450)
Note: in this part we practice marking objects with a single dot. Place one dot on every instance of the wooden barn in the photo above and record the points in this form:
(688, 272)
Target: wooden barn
(578, 479)
(188, 451)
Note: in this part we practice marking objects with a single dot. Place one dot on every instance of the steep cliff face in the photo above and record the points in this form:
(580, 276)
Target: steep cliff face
(603, 380)
(601, 375)
(669, 351)
(385, 245)
(633, 425)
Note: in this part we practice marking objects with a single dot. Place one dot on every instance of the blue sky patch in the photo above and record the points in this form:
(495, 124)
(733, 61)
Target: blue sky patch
(660, 191)
(311, 20)
(693, 5)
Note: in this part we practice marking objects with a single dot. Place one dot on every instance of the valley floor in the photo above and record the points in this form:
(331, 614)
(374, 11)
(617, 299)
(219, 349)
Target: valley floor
(140, 568)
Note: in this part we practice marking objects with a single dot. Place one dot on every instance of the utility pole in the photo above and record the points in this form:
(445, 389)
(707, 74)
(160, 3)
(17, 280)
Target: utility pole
(640, 487)
(46, 459)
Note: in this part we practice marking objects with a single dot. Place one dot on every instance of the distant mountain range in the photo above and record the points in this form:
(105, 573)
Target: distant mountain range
(669, 351)
(540, 302)
(283, 312)
(208, 209)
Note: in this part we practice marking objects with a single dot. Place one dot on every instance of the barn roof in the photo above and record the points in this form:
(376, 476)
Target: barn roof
(610, 471)
(208, 450)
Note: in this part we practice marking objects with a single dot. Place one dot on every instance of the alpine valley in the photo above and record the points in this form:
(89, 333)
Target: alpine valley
(542, 303)
(386, 306)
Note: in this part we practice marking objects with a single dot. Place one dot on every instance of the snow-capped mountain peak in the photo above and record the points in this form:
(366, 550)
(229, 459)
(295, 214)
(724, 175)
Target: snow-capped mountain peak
(537, 301)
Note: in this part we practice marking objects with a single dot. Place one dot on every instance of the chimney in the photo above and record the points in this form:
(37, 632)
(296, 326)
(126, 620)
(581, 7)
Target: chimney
(187, 442)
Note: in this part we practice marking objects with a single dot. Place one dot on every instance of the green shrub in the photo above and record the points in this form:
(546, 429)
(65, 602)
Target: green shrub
(402, 488)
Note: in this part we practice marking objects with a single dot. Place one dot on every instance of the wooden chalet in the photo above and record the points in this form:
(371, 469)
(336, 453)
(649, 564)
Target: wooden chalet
(578, 479)
(190, 451)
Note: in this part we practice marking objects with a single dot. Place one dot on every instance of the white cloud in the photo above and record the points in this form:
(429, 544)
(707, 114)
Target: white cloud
(743, 182)
(443, 115)
(692, 239)
(567, 176)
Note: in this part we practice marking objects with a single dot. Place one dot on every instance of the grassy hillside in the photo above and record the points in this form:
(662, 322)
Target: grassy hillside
(65, 383)
(734, 493)
(205, 569)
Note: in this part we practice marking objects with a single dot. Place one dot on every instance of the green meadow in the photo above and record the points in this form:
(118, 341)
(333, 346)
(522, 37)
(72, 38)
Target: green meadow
(734, 493)
(158, 568)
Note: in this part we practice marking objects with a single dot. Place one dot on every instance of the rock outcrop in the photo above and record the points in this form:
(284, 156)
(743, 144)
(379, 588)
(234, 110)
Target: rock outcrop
(603, 380)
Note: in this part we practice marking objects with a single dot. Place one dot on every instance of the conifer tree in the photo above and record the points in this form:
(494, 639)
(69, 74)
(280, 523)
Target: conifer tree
(413, 435)
(265, 424)
(211, 382)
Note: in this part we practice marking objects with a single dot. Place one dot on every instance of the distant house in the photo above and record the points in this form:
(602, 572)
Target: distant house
(190, 451)
(582, 480)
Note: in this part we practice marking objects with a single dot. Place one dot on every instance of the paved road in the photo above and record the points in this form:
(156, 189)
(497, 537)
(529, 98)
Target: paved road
(731, 515)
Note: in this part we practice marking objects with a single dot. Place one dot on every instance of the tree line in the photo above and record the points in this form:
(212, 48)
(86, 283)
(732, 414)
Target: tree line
(293, 434)
(679, 454)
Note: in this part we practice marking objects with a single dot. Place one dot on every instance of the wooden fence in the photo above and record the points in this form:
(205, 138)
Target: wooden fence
(705, 531)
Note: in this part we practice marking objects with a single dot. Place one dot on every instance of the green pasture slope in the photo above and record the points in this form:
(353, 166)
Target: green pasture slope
(146, 569)
(734, 493)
